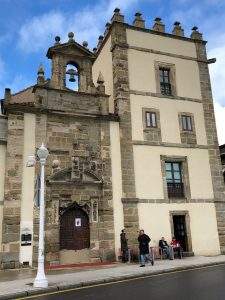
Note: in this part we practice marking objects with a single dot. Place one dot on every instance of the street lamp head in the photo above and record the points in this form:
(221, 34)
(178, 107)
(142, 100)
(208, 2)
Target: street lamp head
(42, 153)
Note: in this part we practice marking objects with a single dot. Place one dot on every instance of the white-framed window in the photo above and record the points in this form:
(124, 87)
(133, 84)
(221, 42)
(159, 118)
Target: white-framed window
(186, 122)
(151, 120)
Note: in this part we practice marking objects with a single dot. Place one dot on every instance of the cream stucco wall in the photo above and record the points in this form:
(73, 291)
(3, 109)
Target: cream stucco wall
(2, 182)
(116, 183)
(148, 174)
(155, 220)
(103, 63)
(161, 43)
(169, 122)
(28, 181)
(142, 73)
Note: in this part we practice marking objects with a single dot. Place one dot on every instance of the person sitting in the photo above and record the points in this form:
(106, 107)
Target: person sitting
(176, 247)
(165, 248)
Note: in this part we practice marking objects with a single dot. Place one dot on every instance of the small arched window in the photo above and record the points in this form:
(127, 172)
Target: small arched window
(72, 76)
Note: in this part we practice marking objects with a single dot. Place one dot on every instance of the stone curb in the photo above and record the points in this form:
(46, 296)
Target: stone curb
(63, 287)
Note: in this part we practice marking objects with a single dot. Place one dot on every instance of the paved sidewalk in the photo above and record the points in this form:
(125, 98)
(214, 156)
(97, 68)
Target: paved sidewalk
(16, 284)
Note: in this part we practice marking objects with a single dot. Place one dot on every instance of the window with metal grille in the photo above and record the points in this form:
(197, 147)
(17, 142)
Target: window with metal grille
(186, 123)
(175, 185)
(165, 85)
(150, 119)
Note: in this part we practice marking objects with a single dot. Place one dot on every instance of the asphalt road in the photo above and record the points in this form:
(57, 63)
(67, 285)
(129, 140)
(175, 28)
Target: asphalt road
(205, 283)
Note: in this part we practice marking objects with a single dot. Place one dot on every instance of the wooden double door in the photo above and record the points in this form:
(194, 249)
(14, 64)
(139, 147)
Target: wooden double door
(74, 229)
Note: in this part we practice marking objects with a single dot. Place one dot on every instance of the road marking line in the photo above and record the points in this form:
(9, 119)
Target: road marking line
(116, 282)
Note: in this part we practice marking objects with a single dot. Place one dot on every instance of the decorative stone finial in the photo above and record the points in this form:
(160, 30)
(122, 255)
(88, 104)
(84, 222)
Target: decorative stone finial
(85, 44)
(41, 70)
(177, 30)
(196, 35)
(159, 26)
(117, 16)
(41, 75)
(57, 40)
(94, 49)
(100, 39)
(7, 94)
(107, 26)
(138, 21)
(71, 37)
(100, 82)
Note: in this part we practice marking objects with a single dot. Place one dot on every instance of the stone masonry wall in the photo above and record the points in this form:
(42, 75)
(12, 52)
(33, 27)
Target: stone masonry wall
(66, 135)
(106, 221)
(122, 101)
(214, 155)
(13, 189)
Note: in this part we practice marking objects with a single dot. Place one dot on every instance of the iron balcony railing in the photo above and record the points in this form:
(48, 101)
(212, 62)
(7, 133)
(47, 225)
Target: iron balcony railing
(175, 190)
(166, 88)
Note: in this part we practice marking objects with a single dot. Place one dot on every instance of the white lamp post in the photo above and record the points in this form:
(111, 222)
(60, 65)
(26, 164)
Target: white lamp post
(41, 280)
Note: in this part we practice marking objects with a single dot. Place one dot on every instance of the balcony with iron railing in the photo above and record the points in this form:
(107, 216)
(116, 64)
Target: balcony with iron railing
(175, 189)
(166, 89)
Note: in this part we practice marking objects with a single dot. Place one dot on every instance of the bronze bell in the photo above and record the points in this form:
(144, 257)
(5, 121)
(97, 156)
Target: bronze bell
(72, 74)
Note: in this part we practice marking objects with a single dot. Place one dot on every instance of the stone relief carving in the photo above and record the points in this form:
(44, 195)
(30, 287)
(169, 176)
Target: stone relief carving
(84, 169)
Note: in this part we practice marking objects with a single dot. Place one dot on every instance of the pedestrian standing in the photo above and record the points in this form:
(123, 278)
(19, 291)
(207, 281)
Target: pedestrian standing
(124, 246)
(144, 240)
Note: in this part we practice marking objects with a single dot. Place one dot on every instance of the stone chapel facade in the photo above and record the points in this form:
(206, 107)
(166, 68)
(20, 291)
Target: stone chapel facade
(134, 146)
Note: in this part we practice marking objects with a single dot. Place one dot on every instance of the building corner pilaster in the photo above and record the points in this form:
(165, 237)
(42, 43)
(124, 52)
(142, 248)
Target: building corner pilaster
(122, 104)
(212, 141)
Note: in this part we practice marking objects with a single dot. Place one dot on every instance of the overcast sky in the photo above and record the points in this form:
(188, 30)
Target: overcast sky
(28, 28)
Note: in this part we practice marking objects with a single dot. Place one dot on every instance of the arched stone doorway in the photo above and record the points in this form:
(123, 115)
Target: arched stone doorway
(74, 235)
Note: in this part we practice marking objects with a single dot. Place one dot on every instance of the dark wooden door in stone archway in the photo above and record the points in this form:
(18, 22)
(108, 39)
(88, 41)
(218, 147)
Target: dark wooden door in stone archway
(74, 229)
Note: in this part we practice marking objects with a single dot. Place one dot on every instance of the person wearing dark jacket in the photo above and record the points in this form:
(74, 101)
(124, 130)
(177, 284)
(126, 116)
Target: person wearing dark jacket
(144, 240)
(124, 246)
